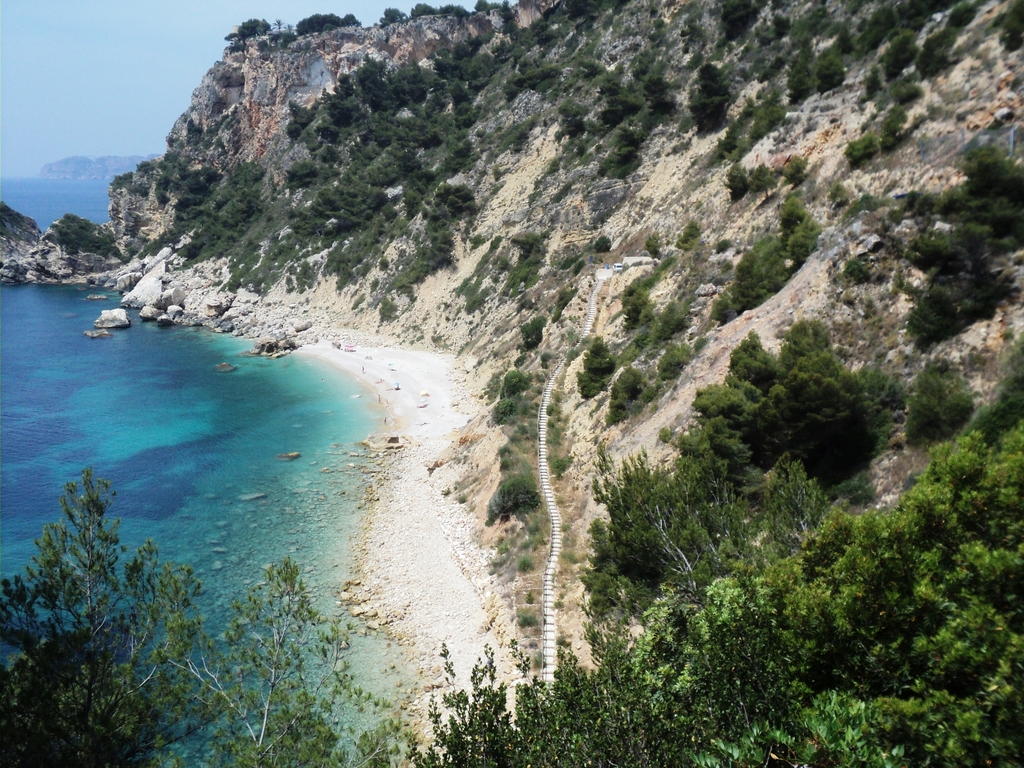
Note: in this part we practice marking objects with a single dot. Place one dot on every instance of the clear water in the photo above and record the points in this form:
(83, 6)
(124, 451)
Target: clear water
(191, 451)
(46, 200)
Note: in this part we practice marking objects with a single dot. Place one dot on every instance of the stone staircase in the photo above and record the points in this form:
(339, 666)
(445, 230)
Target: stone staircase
(549, 635)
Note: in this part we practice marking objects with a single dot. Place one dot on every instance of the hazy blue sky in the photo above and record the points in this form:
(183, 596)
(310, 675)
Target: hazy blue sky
(110, 77)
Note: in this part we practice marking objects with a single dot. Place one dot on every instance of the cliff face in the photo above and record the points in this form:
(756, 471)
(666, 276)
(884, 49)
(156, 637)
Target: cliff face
(244, 99)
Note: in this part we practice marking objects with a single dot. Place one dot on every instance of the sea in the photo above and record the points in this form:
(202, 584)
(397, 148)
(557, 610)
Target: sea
(192, 448)
(46, 200)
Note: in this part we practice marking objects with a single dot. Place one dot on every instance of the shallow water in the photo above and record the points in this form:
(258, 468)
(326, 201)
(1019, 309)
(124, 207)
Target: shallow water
(191, 451)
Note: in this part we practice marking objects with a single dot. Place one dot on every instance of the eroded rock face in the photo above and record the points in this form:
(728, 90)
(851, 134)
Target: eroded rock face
(150, 288)
(20, 236)
(48, 263)
(27, 257)
(113, 318)
(253, 88)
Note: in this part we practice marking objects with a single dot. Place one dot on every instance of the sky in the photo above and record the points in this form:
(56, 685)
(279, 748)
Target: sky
(110, 77)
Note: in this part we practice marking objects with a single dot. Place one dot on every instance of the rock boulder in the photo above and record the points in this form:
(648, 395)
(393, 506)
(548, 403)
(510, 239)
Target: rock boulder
(112, 318)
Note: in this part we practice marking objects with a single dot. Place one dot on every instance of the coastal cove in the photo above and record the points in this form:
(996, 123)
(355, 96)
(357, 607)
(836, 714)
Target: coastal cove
(192, 452)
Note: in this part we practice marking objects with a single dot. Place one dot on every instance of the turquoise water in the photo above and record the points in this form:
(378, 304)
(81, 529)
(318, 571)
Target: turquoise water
(190, 451)
(46, 200)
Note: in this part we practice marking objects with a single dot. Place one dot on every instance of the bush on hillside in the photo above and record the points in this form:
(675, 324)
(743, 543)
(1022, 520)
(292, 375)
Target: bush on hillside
(737, 181)
(515, 496)
(892, 128)
(900, 54)
(625, 393)
(710, 97)
(860, 151)
(795, 172)
(934, 55)
(1013, 26)
(533, 332)
(77, 235)
(939, 404)
(829, 72)
(598, 367)
(322, 22)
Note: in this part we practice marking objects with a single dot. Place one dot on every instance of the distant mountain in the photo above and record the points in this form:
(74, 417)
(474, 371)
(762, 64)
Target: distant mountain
(91, 167)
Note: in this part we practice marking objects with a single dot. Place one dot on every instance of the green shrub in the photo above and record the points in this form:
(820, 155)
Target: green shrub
(939, 404)
(892, 128)
(527, 619)
(689, 238)
(652, 244)
(798, 231)
(800, 81)
(626, 391)
(559, 465)
(514, 384)
(737, 16)
(392, 16)
(388, 310)
(506, 410)
(737, 181)
(671, 320)
(879, 26)
(518, 495)
(323, 22)
(533, 332)
(598, 367)
(856, 271)
(302, 174)
(77, 235)
(624, 156)
(603, 244)
(905, 91)
(860, 151)
(524, 563)
(636, 306)
(872, 83)
(795, 172)
(760, 274)
(935, 52)
(768, 115)
(838, 196)
(803, 404)
(961, 15)
(674, 361)
(762, 180)
(900, 54)
(565, 295)
(1013, 26)
(1005, 414)
(710, 97)
(829, 72)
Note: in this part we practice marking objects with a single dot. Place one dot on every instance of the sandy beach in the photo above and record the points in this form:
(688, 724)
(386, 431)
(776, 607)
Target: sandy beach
(418, 557)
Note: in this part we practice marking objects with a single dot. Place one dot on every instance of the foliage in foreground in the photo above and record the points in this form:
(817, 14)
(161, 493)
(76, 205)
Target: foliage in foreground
(108, 664)
(891, 639)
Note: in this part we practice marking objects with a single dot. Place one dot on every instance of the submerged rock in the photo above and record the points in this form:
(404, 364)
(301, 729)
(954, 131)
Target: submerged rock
(95, 297)
(113, 318)
(100, 334)
(224, 368)
(289, 456)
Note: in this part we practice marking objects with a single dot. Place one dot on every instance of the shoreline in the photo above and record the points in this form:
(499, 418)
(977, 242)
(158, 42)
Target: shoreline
(417, 557)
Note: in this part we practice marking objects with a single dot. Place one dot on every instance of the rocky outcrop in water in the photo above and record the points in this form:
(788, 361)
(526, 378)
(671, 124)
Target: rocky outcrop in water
(112, 318)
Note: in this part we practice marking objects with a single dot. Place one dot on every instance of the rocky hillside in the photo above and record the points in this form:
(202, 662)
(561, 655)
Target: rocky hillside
(451, 182)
